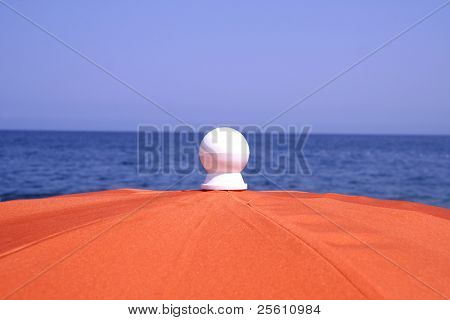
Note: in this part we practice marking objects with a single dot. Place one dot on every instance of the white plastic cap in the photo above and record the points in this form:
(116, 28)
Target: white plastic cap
(224, 153)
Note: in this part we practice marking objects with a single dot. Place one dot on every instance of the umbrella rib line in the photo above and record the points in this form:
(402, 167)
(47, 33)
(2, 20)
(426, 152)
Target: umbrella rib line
(76, 250)
(298, 238)
(51, 236)
(372, 205)
(374, 250)
(356, 238)
(36, 242)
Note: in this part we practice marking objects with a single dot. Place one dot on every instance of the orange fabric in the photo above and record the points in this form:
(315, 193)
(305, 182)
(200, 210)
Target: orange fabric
(137, 244)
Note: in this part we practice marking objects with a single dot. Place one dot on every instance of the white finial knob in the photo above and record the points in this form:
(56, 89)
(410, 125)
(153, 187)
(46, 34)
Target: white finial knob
(224, 154)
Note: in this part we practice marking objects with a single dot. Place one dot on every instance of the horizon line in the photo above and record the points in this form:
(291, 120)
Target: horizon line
(134, 132)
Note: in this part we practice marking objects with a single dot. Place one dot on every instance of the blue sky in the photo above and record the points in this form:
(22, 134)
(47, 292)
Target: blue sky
(227, 62)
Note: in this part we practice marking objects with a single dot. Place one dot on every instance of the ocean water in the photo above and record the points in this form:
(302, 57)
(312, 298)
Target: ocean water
(35, 164)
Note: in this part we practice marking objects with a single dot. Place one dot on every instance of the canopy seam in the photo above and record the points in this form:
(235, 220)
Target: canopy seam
(298, 238)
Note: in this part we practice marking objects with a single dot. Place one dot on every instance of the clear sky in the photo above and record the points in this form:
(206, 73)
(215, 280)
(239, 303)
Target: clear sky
(226, 62)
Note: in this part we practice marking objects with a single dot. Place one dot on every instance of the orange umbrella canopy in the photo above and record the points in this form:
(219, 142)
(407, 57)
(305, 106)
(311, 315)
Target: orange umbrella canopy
(136, 244)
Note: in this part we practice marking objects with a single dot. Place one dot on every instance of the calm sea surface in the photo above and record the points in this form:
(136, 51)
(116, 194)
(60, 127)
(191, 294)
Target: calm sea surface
(36, 164)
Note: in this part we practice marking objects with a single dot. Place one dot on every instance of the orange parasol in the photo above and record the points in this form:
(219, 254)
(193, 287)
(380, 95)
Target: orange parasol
(139, 244)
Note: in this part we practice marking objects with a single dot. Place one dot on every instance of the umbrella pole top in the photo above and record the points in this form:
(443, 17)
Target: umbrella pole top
(224, 153)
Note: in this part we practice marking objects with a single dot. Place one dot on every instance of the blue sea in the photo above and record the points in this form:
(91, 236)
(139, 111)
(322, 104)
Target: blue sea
(36, 164)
